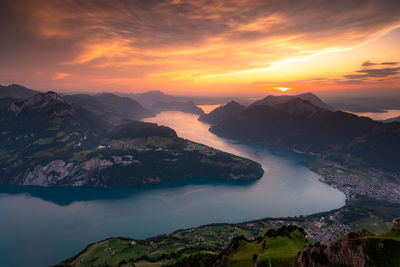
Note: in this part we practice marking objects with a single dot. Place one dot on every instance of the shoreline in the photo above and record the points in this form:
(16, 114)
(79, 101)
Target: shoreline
(367, 206)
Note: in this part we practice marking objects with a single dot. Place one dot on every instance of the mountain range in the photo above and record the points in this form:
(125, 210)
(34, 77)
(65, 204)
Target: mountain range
(225, 111)
(188, 107)
(300, 125)
(273, 100)
(47, 141)
(113, 108)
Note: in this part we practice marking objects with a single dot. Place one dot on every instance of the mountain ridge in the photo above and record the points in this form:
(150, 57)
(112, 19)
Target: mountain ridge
(222, 112)
(46, 141)
(16, 91)
(273, 100)
(299, 125)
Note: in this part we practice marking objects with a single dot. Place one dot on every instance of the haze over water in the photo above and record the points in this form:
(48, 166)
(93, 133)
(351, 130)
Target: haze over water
(47, 225)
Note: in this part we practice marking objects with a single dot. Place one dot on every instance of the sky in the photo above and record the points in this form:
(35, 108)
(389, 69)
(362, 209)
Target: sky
(202, 47)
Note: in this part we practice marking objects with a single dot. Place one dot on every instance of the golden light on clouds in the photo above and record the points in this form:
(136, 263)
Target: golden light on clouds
(58, 76)
(199, 46)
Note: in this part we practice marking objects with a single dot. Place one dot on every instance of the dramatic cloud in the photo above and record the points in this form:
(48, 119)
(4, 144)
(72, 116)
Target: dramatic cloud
(178, 40)
(375, 72)
(390, 63)
(368, 63)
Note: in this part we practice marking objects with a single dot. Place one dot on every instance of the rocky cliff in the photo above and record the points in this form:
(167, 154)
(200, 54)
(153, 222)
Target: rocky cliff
(359, 248)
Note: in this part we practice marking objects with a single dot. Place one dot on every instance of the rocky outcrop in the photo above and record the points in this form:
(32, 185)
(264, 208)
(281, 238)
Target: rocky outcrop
(39, 100)
(396, 225)
(359, 248)
(59, 172)
(51, 173)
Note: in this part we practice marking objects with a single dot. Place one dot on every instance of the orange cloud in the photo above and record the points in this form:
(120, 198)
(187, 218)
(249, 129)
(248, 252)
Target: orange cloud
(58, 76)
(188, 44)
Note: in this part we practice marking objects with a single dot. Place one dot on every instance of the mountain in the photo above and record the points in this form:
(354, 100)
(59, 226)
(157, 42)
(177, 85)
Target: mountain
(16, 91)
(188, 107)
(300, 125)
(395, 119)
(362, 104)
(310, 97)
(46, 141)
(159, 101)
(150, 98)
(222, 112)
(113, 108)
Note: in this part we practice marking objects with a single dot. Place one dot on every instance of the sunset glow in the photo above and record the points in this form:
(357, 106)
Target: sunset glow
(282, 89)
(200, 47)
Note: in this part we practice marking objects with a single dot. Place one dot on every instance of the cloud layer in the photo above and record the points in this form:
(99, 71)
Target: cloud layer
(181, 40)
(380, 70)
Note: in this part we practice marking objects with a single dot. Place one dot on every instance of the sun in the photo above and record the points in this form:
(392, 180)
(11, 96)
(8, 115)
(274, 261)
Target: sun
(282, 89)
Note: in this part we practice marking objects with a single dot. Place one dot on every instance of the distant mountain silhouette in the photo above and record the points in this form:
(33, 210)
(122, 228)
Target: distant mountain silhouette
(150, 98)
(273, 100)
(395, 119)
(188, 107)
(16, 91)
(300, 125)
(113, 108)
(222, 112)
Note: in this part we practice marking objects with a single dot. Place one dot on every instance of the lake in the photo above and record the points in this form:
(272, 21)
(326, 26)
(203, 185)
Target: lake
(42, 226)
(379, 116)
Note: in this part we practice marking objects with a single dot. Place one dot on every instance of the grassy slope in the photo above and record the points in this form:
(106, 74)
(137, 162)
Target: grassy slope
(214, 238)
(180, 244)
(279, 251)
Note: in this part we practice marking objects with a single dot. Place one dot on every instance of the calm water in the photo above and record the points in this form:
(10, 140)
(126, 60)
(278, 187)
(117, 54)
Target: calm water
(380, 116)
(42, 226)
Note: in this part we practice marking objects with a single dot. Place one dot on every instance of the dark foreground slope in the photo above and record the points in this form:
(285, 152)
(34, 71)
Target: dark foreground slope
(300, 125)
(45, 141)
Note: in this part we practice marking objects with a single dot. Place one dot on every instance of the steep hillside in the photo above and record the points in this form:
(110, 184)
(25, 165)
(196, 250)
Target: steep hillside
(360, 248)
(46, 141)
(222, 112)
(302, 126)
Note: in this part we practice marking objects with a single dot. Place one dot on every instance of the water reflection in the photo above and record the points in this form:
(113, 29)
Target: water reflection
(379, 116)
(208, 108)
(64, 196)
